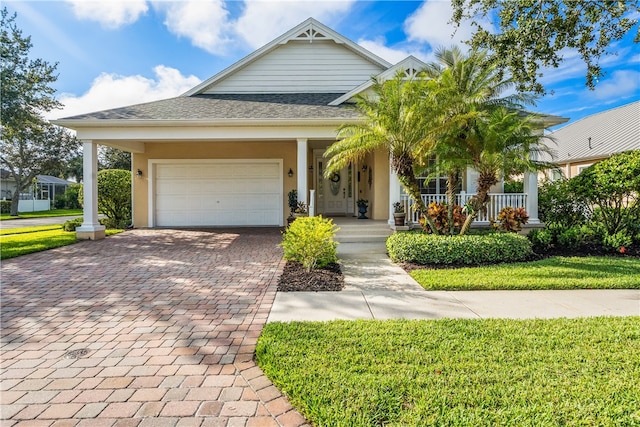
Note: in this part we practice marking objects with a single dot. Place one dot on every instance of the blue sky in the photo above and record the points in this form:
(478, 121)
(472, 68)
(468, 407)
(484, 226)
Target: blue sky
(115, 53)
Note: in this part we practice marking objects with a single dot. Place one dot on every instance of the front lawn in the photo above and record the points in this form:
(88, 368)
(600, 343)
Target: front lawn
(22, 241)
(458, 372)
(552, 273)
(43, 214)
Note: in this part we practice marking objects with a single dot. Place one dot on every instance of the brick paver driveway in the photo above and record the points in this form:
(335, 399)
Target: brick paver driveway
(149, 328)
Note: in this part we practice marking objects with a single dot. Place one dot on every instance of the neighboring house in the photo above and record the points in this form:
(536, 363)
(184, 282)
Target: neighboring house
(41, 194)
(227, 152)
(594, 138)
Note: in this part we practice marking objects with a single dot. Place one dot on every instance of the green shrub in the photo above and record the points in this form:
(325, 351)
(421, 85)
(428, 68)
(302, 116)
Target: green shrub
(611, 189)
(541, 240)
(114, 197)
(309, 241)
(577, 237)
(5, 206)
(72, 224)
(617, 242)
(459, 250)
(558, 203)
(69, 199)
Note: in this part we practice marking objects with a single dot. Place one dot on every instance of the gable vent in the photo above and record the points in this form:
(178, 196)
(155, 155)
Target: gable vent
(311, 34)
(410, 72)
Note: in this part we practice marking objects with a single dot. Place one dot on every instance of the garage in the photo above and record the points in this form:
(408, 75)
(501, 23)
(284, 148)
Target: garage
(218, 193)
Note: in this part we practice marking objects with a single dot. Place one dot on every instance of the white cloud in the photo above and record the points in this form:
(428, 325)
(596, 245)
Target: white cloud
(112, 90)
(393, 55)
(205, 23)
(262, 21)
(621, 84)
(430, 23)
(110, 14)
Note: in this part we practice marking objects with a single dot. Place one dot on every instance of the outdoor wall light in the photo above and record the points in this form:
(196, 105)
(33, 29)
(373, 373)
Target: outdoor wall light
(364, 168)
(290, 173)
(139, 173)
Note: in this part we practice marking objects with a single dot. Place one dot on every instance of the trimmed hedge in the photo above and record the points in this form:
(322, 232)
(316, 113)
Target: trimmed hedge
(427, 249)
(5, 206)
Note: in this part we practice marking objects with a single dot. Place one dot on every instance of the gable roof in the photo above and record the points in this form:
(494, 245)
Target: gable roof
(410, 66)
(599, 135)
(308, 31)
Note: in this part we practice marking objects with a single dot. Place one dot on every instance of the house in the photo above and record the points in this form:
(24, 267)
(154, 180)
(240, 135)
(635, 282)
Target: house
(593, 138)
(41, 195)
(227, 152)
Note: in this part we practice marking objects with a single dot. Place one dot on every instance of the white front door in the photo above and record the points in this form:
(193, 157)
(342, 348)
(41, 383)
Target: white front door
(335, 193)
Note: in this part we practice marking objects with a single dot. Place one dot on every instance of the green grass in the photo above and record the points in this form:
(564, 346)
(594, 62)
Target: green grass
(551, 273)
(21, 241)
(495, 372)
(43, 214)
(25, 230)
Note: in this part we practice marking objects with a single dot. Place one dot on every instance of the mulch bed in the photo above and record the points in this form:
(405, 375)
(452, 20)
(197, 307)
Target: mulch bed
(296, 278)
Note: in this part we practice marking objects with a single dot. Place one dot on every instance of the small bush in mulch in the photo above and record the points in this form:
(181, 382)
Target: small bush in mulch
(296, 278)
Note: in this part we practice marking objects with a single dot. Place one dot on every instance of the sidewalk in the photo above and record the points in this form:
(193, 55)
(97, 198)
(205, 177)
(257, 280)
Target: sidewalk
(375, 288)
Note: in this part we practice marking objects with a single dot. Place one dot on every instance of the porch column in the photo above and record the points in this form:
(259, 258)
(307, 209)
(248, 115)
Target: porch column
(394, 193)
(302, 170)
(531, 190)
(90, 228)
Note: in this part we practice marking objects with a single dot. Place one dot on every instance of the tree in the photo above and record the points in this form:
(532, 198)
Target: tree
(396, 119)
(613, 187)
(112, 158)
(32, 151)
(465, 87)
(535, 33)
(503, 143)
(29, 145)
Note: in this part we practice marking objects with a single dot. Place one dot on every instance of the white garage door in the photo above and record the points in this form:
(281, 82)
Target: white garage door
(221, 193)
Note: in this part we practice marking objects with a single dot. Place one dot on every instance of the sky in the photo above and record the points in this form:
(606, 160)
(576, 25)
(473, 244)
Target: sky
(115, 53)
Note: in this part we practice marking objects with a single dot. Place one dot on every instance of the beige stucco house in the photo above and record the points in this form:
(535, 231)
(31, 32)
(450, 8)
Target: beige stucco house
(596, 137)
(227, 152)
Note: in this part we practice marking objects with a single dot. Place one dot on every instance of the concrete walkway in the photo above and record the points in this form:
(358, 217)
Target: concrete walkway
(378, 289)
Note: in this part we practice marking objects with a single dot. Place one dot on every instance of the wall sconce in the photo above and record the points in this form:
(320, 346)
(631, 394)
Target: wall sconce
(364, 168)
(290, 173)
(139, 173)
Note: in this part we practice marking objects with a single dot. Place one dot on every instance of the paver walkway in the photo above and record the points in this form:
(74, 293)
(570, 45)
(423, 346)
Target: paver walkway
(162, 324)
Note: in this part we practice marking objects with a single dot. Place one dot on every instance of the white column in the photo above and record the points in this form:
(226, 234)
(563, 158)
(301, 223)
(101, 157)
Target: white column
(90, 228)
(394, 193)
(531, 190)
(302, 170)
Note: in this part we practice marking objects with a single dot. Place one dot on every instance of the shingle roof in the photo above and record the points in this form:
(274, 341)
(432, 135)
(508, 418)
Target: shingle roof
(230, 106)
(599, 135)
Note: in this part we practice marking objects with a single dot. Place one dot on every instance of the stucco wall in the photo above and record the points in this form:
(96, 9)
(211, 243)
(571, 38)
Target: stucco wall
(284, 150)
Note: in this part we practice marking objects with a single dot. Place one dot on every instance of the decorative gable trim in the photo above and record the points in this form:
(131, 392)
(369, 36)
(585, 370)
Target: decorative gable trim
(410, 66)
(309, 30)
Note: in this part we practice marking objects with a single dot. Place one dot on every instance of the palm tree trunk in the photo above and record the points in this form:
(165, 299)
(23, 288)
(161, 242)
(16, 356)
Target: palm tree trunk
(486, 180)
(404, 169)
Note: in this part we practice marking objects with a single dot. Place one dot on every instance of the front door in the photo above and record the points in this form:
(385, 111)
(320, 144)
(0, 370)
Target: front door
(334, 193)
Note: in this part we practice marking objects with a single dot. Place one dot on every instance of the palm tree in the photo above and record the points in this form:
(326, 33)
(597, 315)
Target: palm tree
(503, 143)
(469, 88)
(395, 119)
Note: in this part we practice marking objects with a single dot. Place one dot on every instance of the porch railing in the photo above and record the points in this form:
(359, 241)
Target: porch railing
(497, 202)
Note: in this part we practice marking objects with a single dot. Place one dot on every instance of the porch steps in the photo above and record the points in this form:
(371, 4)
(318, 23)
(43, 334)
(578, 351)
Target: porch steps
(354, 230)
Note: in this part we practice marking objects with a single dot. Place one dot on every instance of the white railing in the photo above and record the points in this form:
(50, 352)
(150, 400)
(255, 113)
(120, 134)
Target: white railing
(497, 202)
